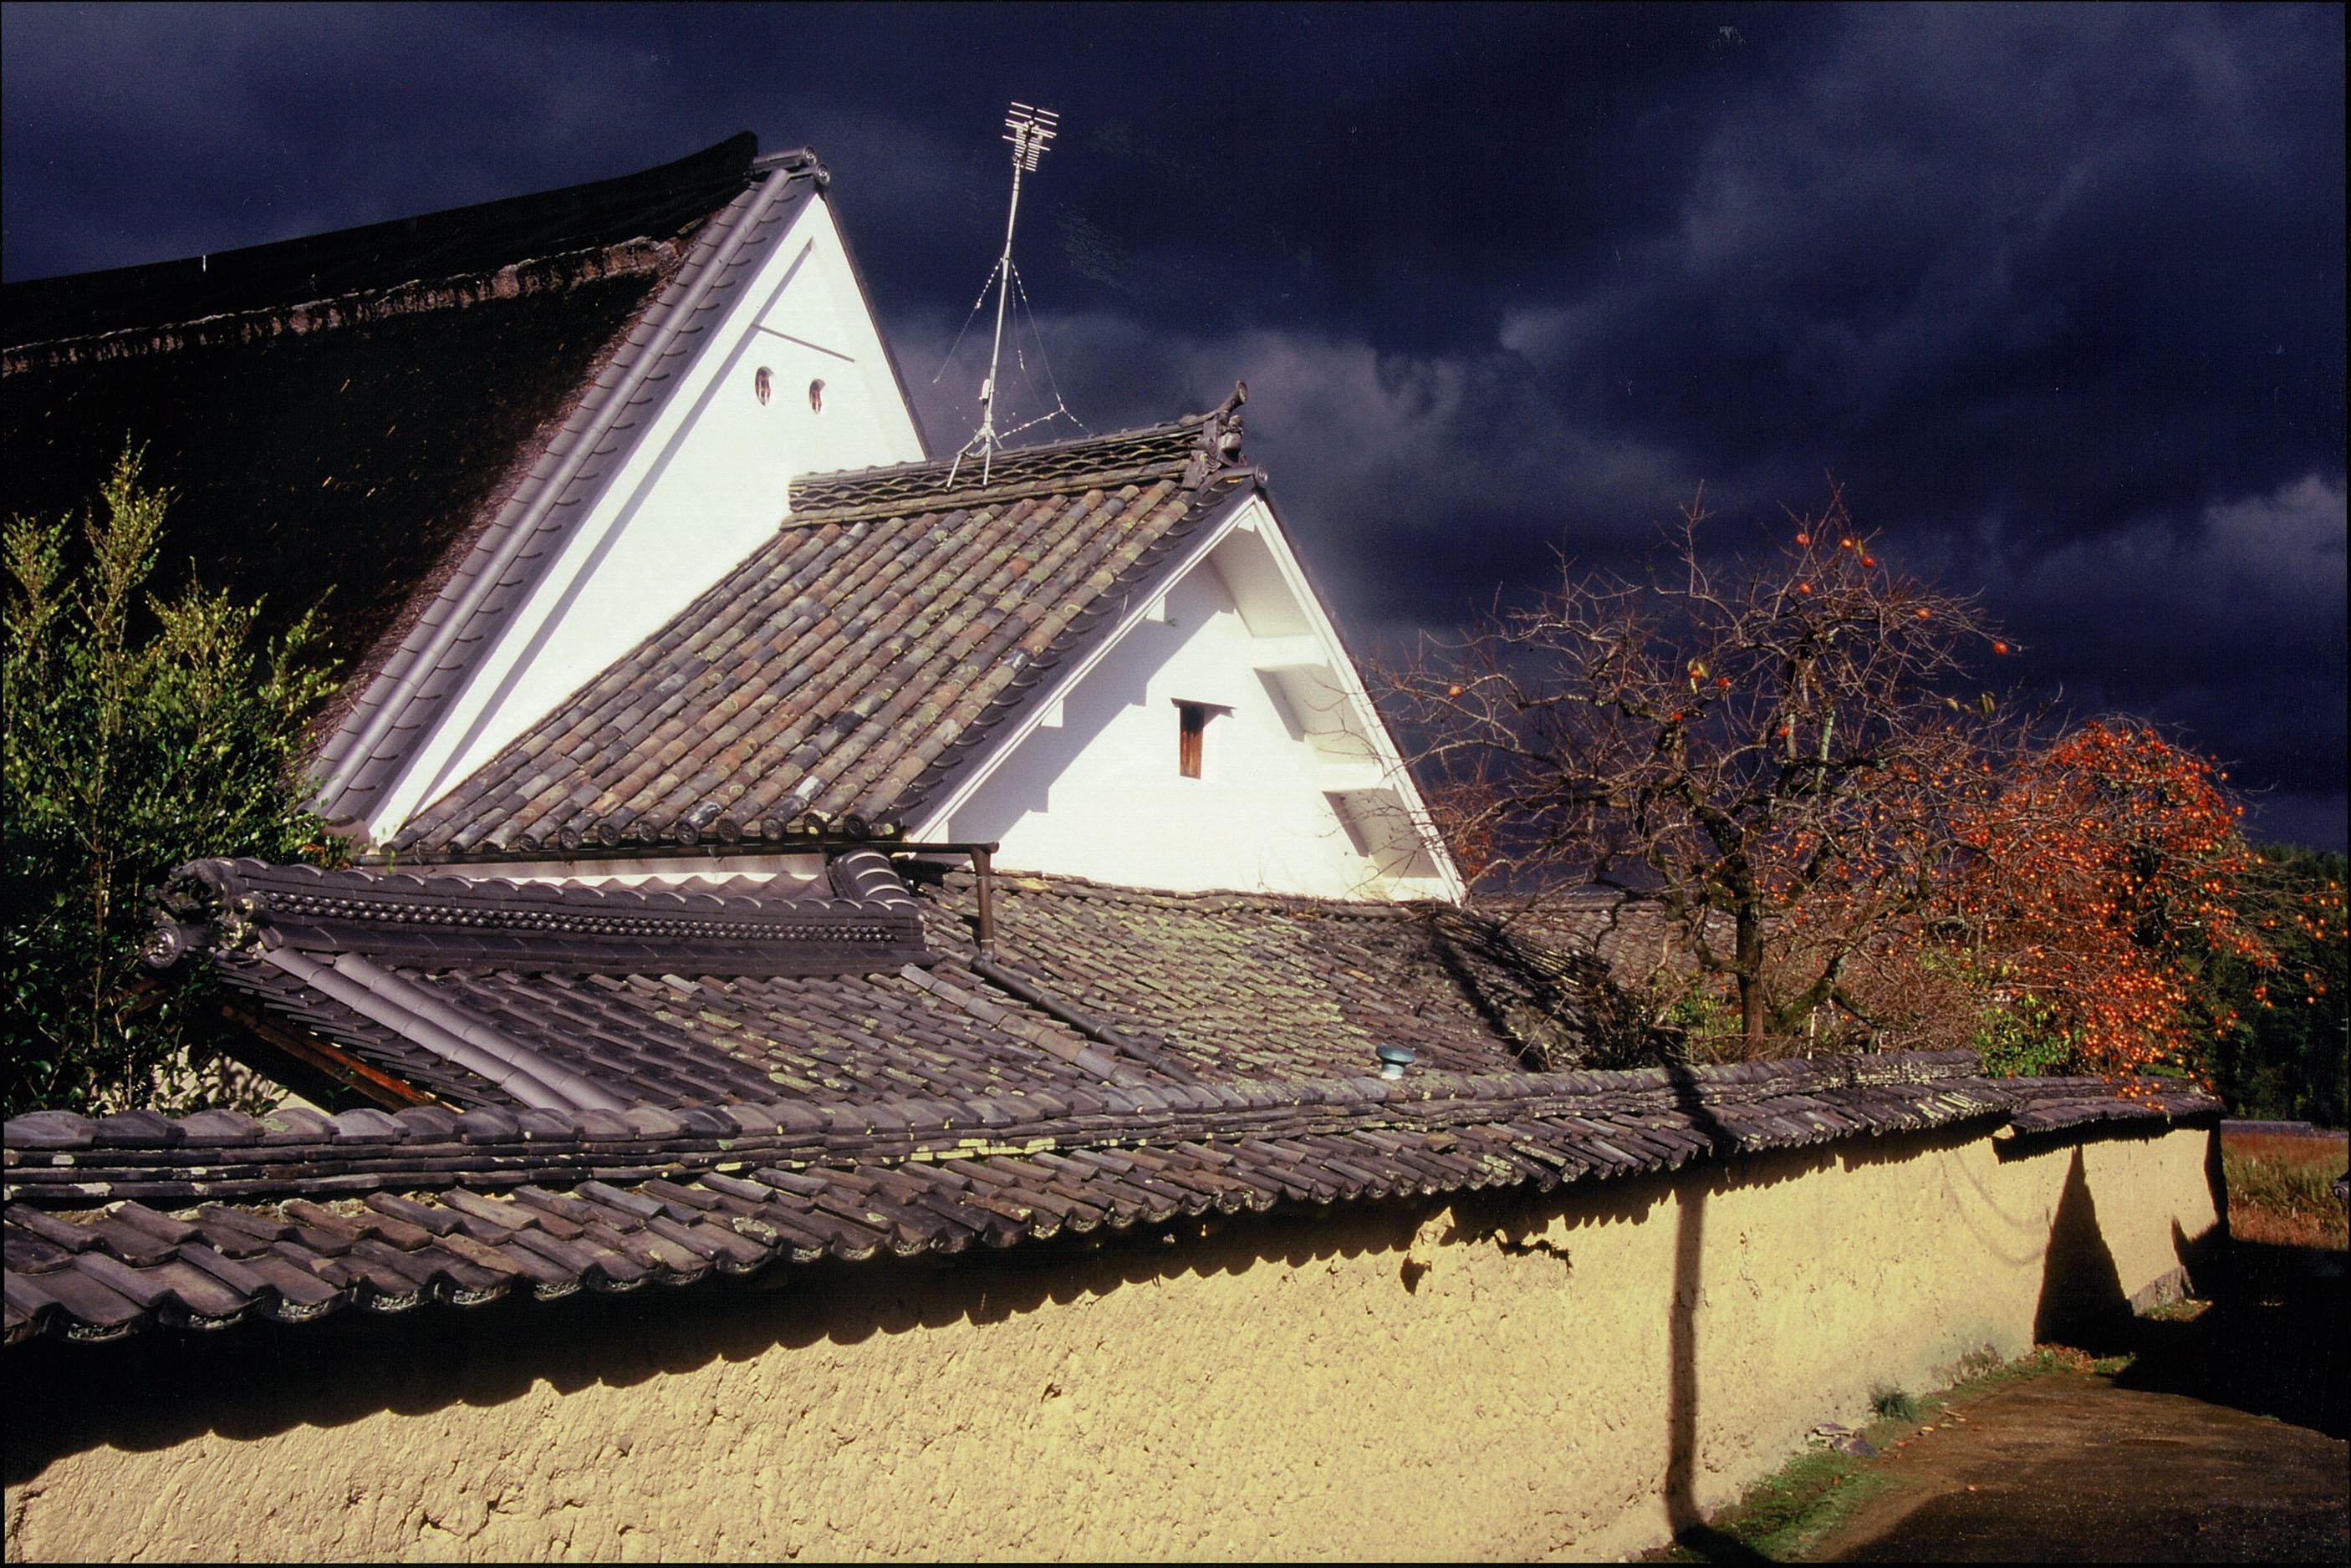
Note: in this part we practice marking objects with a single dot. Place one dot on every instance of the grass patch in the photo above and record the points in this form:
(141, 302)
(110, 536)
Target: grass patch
(1780, 1518)
(1783, 1515)
(1980, 1371)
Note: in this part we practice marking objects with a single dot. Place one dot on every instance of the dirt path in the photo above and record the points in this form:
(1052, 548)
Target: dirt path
(2072, 1469)
(2222, 1442)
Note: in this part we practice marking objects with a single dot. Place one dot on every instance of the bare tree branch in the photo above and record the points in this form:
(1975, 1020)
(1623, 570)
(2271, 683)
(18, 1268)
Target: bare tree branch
(1776, 749)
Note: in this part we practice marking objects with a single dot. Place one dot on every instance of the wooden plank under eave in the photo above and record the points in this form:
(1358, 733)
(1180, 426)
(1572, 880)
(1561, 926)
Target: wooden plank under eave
(307, 1050)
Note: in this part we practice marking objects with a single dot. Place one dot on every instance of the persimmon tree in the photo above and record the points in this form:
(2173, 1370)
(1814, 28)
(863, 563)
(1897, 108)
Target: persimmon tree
(2107, 889)
(1774, 747)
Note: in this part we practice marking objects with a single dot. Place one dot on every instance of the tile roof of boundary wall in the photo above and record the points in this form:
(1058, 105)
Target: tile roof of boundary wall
(133, 1221)
(851, 665)
(357, 418)
(854, 1108)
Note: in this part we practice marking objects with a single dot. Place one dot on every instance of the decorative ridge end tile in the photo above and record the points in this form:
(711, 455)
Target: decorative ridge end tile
(136, 1129)
(490, 1124)
(219, 1128)
(367, 1127)
(554, 1126)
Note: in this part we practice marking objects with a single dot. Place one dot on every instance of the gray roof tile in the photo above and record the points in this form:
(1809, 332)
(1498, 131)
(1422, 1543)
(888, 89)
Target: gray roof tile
(843, 670)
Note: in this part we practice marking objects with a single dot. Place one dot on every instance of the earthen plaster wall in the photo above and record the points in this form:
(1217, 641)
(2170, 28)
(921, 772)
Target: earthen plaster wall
(1492, 1377)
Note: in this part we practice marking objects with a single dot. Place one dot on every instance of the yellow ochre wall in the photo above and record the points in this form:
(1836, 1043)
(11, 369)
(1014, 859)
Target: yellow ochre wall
(1499, 1376)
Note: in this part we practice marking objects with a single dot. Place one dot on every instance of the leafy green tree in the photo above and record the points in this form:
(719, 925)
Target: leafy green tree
(2282, 1034)
(140, 732)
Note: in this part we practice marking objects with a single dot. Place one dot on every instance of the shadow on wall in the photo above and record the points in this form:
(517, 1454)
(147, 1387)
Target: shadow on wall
(1494, 1216)
(2083, 1302)
(1682, 1512)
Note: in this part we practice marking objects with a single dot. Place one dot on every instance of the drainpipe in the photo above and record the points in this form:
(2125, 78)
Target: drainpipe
(983, 866)
(1093, 1028)
(1020, 987)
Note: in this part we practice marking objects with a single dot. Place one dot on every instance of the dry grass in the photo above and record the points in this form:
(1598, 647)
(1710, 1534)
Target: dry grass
(2280, 1188)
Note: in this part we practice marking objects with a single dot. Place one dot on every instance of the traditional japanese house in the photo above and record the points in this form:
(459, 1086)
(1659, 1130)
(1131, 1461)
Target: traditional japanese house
(884, 1009)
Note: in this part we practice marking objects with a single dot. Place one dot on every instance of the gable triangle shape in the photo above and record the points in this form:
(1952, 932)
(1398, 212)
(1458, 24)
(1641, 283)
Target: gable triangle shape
(837, 674)
(1216, 736)
(761, 360)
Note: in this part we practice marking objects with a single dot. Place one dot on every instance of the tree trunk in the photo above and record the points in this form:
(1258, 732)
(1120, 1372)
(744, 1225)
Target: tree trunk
(1750, 977)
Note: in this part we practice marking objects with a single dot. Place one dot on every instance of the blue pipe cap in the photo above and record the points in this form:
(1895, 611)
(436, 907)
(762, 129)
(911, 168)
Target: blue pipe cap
(1394, 1059)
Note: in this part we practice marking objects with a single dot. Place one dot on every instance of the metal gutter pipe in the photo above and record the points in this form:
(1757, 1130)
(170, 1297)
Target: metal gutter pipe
(1020, 988)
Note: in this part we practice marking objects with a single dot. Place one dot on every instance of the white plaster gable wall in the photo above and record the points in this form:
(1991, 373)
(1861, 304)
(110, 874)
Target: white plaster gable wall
(1298, 792)
(706, 485)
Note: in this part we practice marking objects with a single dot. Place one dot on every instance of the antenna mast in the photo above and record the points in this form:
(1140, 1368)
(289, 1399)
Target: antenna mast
(1029, 129)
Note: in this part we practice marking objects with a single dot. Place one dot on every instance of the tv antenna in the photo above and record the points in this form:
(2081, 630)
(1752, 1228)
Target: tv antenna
(1027, 129)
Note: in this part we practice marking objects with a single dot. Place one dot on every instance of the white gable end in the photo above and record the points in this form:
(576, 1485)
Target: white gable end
(1298, 789)
(705, 482)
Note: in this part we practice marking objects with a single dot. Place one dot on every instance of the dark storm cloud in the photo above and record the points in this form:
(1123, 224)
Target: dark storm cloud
(2057, 293)
(2008, 258)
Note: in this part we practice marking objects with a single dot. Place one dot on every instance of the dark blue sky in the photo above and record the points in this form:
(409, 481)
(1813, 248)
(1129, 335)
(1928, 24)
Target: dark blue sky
(2057, 293)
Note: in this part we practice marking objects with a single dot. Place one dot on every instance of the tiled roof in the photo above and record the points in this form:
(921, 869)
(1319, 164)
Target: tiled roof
(489, 992)
(462, 242)
(2058, 1105)
(447, 922)
(131, 1220)
(1198, 1053)
(137, 1221)
(1245, 985)
(853, 663)
(1179, 988)
(368, 417)
(1632, 935)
